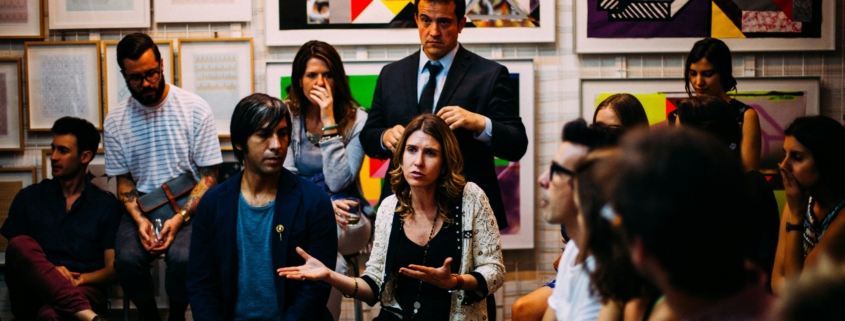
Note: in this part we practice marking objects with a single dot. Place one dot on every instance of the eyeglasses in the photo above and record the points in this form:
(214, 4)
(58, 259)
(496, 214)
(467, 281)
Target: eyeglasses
(151, 76)
(555, 168)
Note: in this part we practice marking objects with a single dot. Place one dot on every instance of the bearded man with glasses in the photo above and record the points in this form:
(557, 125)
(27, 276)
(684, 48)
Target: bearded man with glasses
(156, 135)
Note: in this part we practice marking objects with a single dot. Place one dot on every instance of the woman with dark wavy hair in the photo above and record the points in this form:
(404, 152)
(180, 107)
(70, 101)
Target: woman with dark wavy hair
(324, 145)
(813, 172)
(434, 216)
(708, 71)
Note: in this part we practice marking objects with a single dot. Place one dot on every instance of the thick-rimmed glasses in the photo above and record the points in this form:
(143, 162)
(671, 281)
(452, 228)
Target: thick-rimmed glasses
(151, 76)
(555, 168)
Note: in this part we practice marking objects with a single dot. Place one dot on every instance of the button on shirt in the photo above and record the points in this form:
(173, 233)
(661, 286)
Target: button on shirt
(75, 239)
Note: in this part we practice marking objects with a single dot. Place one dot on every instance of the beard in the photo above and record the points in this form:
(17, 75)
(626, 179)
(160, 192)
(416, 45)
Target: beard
(143, 97)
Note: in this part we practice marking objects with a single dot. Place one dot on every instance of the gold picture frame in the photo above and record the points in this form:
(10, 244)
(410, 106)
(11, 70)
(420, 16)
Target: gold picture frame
(30, 20)
(11, 99)
(63, 79)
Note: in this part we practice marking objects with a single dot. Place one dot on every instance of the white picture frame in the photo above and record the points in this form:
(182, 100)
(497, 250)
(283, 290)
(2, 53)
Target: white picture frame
(63, 79)
(523, 237)
(203, 11)
(90, 14)
(114, 86)
(11, 105)
(395, 36)
(585, 45)
(22, 19)
(200, 63)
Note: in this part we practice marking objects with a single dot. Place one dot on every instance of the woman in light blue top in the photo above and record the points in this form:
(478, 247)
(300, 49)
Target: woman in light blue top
(324, 147)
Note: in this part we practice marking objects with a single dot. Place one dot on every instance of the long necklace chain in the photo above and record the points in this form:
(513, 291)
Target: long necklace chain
(425, 254)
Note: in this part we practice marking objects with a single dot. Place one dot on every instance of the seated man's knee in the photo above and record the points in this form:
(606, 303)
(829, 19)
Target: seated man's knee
(129, 260)
(19, 246)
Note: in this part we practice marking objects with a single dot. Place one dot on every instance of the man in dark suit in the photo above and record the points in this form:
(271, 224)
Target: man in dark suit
(470, 93)
(251, 225)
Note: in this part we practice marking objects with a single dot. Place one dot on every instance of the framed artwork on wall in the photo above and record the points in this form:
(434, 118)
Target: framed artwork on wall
(515, 178)
(98, 14)
(12, 180)
(220, 71)
(22, 19)
(778, 101)
(354, 22)
(11, 105)
(603, 26)
(203, 10)
(63, 79)
(114, 85)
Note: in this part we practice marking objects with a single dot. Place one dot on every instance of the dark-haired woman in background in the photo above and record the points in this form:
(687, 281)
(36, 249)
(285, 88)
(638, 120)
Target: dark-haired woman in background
(434, 224)
(324, 147)
(620, 111)
(708, 71)
(813, 172)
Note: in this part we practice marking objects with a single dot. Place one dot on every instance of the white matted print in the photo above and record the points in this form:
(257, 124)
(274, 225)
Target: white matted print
(94, 14)
(11, 118)
(381, 22)
(21, 19)
(516, 179)
(220, 71)
(63, 79)
(203, 10)
(114, 85)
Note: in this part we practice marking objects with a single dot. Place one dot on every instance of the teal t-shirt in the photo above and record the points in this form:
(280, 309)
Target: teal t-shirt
(256, 285)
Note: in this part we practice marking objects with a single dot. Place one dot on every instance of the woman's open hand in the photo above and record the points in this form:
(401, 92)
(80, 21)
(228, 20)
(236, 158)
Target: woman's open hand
(313, 269)
(440, 277)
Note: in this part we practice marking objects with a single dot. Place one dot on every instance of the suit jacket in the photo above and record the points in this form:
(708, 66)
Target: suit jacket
(473, 83)
(308, 219)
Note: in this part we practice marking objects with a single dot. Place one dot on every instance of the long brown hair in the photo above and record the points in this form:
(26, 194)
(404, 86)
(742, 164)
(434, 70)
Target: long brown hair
(344, 105)
(450, 182)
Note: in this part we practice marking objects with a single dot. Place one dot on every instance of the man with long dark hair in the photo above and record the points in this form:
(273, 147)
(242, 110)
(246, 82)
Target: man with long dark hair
(252, 224)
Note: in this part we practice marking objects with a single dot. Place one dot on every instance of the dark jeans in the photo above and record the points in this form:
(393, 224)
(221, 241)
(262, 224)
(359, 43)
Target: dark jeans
(132, 263)
(38, 291)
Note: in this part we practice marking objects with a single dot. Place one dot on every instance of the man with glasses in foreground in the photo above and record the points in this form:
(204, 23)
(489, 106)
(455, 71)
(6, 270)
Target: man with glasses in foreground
(571, 298)
(156, 135)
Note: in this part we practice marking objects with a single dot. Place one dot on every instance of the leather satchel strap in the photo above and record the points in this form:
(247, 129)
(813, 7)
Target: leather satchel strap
(171, 198)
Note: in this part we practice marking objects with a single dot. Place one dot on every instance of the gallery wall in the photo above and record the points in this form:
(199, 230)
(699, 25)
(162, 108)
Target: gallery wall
(558, 71)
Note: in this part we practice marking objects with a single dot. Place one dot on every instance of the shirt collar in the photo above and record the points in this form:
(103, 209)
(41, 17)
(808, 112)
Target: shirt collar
(87, 191)
(446, 61)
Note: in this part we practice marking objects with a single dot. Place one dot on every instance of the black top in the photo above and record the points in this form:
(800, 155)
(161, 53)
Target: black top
(75, 239)
(435, 303)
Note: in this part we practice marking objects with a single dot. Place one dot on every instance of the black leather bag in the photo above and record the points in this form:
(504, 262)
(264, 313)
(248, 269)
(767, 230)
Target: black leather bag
(168, 199)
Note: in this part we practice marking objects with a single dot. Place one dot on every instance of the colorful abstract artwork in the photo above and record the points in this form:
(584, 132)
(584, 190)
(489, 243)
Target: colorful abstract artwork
(292, 22)
(777, 102)
(647, 25)
(703, 18)
(515, 178)
(360, 14)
